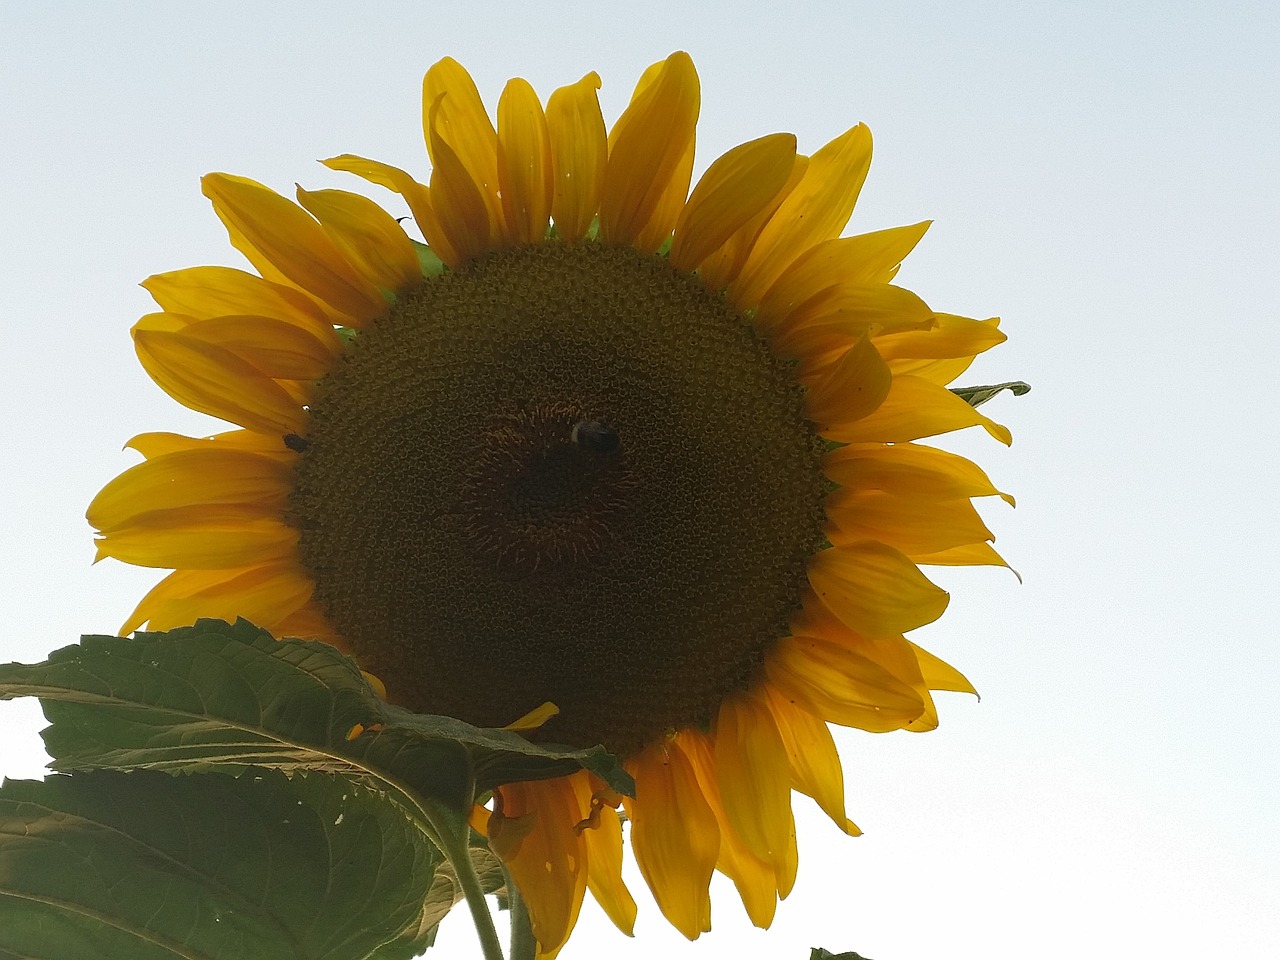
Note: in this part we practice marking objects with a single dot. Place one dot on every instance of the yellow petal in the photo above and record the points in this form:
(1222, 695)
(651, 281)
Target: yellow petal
(864, 260)
(159, 443)
(454, 116)
(368, 236)
(816, 210)
(264, 595)
(839, 315)
(944, 353)
(722, 267)
(733, 191)
(674, 835)
(940, 675)
(534, 719)
(755, 878)
(550, 866)
(308, 622)
(210, 538)
(815, 766)
(648, 156)
(189, 478)
(906, 524)
(579, 154)
(458, 200)
(952, 336)
(415, 194)
(283, 243)
(851, 389)
(916, 408)
(203, 293)
(211, 379)
(274, 348)
(874, 589)
(524, 163)
(968, 555)
(909, 470)
(603, 839)
(840, 685)
(753, 774)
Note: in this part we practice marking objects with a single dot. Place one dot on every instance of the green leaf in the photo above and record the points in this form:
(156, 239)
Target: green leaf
(817, 953)
(977, 396)
(155, 867)
(221, 697)
(445, 893)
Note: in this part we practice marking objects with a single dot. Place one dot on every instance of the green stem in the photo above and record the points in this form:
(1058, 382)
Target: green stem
(523, 944)
(457, 849)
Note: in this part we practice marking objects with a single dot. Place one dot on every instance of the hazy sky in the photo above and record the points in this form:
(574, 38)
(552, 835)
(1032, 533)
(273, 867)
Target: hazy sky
(1102, 175)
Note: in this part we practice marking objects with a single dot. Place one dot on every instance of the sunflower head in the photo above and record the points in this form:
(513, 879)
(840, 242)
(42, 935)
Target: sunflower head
(646, 453)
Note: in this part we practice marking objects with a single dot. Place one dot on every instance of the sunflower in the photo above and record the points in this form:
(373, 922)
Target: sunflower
(644, 452)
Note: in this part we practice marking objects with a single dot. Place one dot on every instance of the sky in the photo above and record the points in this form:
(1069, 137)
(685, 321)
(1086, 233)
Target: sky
(1101, 175)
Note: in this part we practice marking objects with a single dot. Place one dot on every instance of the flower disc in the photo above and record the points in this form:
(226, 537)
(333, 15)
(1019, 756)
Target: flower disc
(561, 473)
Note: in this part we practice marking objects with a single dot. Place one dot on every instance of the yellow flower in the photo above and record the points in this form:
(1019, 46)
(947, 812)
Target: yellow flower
(655, 463)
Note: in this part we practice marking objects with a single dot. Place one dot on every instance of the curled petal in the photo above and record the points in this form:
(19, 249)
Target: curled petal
(579, 151)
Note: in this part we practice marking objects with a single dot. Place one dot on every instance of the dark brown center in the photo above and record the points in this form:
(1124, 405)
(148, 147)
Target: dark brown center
(561, 473)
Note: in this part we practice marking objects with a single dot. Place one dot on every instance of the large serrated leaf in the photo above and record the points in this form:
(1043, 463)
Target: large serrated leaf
(446, 891)
(222, 697)
(156, 867)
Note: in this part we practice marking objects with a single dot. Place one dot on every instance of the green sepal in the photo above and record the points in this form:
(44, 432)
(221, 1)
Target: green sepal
(977, 396)
(222, 697)
(260, 867)
(430, 264)
(817, 953)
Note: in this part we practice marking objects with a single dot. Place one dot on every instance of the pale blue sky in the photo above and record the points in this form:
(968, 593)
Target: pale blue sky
(1101, 175)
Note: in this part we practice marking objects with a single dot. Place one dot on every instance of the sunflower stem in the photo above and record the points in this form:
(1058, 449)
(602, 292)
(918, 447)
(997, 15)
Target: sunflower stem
(454, 836)
(523, 944)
